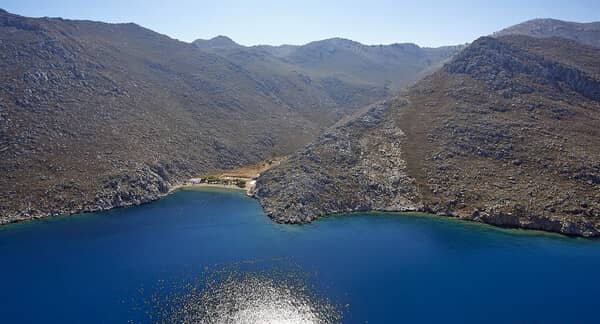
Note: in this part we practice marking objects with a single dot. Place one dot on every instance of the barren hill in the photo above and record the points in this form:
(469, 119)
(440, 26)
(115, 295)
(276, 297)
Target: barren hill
(586, 33)
(506, 133)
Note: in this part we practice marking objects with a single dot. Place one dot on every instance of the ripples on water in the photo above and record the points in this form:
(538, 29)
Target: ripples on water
(231, 295)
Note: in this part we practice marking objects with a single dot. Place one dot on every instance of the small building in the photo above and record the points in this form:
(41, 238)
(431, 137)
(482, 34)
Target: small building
(195, 180)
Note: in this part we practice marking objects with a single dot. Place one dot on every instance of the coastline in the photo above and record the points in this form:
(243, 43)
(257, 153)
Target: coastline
(155, 189)
(558, 226)
(231, 180)
(206, 186)
(150, 199)
(460, 220)
(413, 212)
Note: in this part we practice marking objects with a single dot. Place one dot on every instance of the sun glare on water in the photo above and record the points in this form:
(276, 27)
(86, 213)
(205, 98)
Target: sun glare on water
(250, 297)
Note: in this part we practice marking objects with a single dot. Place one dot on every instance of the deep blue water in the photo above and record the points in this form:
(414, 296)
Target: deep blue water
(380, 268)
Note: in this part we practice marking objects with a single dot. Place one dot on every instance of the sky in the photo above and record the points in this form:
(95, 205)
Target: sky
(426, 23)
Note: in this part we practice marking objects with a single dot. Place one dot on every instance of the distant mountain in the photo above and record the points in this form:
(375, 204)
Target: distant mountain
(586, 33)
(506, 133)
(388, 67)
(325, 96)
(217, 42)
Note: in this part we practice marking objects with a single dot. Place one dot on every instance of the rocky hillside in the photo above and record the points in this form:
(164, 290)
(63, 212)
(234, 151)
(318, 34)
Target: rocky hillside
(506, 133)
(346, 64)
(325, 98)
(586, 33)
(96, 115)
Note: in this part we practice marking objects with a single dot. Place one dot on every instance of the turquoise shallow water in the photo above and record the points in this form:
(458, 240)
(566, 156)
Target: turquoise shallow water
(200, 247)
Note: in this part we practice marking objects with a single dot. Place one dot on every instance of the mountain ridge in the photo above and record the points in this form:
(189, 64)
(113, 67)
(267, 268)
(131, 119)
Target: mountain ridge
(388, 67)
(587, 33)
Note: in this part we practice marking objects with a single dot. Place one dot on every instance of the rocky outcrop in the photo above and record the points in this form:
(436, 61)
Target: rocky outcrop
(510, 69)
(564, 225)
(356, 166)
(143, 185)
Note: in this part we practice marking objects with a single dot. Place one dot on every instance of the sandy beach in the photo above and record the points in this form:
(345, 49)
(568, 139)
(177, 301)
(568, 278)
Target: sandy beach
(227, 179)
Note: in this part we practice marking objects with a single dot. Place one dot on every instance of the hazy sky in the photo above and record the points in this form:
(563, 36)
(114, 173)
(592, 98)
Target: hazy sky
(427, 23)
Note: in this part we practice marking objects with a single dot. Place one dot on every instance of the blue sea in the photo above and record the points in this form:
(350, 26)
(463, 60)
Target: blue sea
(213, 256)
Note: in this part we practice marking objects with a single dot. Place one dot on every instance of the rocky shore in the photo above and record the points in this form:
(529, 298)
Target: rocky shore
(143, 185)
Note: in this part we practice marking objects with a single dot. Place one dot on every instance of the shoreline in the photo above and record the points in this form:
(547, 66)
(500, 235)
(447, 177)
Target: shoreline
(84, 211)
(332, 216)
(231, 181)
(225, 179)
(468, 218)
(416, 212)
(205, 185)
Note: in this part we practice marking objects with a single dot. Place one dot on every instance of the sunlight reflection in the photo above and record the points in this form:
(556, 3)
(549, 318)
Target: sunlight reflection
(252, 297)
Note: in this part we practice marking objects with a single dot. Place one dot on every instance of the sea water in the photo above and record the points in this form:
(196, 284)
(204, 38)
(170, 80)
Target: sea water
(213, 256)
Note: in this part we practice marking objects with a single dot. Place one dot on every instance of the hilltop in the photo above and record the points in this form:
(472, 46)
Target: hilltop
(586, 33)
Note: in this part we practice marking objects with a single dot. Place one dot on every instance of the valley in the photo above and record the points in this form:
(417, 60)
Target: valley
(503, 130)
(95, 115)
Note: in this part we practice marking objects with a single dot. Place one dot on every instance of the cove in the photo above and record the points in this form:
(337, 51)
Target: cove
(130, 264)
